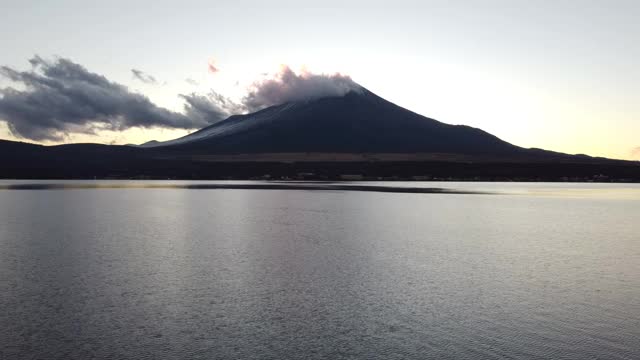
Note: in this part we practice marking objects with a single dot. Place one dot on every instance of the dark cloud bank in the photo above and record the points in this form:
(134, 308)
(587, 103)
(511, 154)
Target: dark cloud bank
(60, 97)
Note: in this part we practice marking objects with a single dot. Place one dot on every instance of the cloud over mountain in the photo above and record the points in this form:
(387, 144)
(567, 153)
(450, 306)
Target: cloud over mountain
(60, 97)
(288, 86)
(635, 153)
(211, 106)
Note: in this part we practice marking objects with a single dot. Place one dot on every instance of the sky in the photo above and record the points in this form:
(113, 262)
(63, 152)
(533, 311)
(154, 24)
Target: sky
(560, 75)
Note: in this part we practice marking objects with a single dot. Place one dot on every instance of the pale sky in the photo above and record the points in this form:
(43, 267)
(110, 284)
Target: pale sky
(560, 75)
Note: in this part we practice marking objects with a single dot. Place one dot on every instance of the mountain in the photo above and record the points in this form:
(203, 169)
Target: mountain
(358, 122)
(358, 133)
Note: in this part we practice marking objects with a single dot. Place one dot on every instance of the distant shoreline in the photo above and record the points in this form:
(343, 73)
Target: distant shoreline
(325, 180)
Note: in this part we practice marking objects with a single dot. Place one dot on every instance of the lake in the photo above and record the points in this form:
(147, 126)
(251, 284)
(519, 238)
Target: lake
(257, 270)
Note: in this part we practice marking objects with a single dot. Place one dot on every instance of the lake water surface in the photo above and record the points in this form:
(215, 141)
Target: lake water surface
(203, 270)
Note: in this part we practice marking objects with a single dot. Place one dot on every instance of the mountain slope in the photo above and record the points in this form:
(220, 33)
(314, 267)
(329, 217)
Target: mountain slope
(359, 122)
(359, 133)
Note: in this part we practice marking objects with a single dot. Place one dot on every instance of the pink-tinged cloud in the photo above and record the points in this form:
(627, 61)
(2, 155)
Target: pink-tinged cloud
(287, 86)
(635, 153)
(213, 68)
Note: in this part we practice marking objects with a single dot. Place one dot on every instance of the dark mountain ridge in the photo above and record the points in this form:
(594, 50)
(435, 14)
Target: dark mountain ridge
(358, 122)
(358, 133)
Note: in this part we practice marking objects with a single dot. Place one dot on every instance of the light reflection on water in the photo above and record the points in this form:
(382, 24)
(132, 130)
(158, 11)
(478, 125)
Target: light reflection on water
(169, 270)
